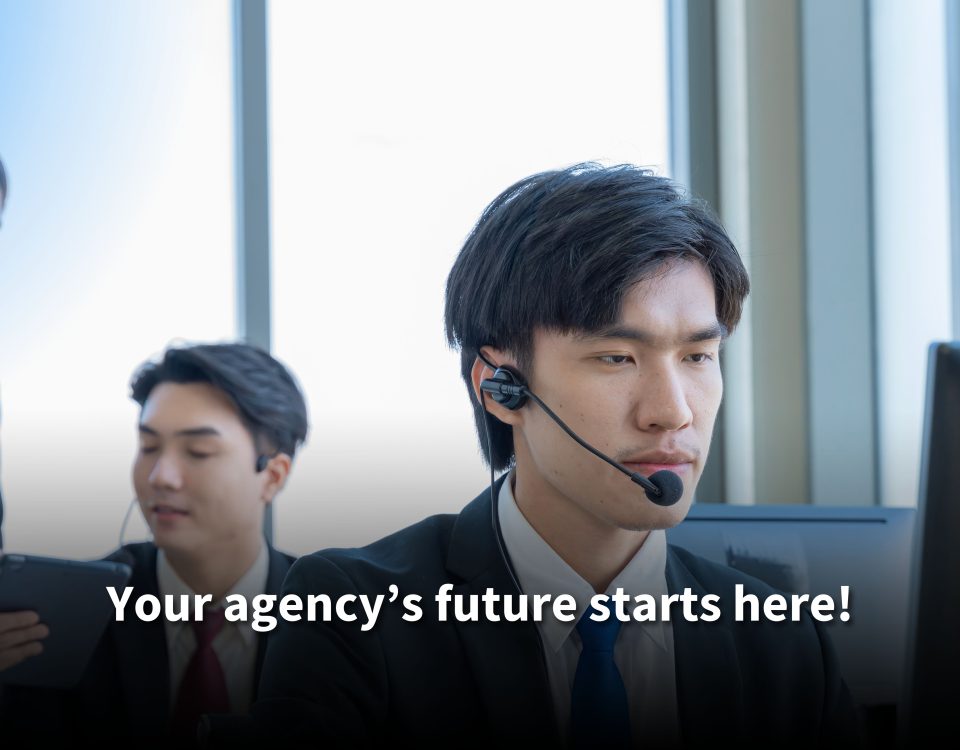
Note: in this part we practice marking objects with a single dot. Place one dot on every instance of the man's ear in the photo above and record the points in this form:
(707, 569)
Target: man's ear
(481, 371)
(276, 473)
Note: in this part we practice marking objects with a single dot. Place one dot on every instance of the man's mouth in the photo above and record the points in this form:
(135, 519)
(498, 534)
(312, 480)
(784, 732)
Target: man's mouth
(654, 461)
(168, 511)
(649, 468)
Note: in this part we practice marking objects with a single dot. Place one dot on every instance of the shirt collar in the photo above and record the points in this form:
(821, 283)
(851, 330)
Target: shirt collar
(250, 584)
(541, 570)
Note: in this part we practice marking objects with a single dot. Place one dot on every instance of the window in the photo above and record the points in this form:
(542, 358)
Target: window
(392, 126)
(118, 238)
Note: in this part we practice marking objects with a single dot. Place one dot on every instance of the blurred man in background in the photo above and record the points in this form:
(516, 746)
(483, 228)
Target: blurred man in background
(218, 429)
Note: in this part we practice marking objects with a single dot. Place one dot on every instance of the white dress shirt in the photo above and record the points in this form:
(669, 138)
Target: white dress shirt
(643, 652)
(235, 644)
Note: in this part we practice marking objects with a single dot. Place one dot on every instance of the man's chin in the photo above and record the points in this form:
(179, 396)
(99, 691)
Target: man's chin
(650, 516)
(172, 540)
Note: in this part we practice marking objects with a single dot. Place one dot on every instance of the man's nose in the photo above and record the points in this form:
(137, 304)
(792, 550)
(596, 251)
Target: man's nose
(664, 404)
(166, 474)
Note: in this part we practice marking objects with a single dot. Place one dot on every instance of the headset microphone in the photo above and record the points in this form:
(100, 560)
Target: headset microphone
(663, 488)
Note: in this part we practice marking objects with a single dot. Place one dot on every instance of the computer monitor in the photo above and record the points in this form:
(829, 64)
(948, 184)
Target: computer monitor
(932, 701)
(815, 549)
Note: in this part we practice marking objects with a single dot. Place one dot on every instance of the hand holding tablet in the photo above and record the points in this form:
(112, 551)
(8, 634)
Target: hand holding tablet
(20, 636)
(63, 599)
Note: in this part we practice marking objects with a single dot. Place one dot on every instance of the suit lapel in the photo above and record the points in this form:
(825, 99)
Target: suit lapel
(708, 674)
(505, 659)
(141, 649)
(279, 565)
(508, 665)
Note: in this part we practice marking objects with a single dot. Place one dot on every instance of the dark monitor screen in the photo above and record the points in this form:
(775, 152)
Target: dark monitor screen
(815, 549)
(933, 695)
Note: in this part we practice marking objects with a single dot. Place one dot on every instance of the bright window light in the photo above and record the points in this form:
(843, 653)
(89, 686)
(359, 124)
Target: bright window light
(392, 126)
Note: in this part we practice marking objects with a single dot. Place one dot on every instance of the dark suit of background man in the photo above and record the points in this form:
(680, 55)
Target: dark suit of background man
(609, 291)
(219, 426)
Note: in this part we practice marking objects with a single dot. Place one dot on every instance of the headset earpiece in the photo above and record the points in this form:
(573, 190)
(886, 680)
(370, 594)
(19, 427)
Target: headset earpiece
(506, 387)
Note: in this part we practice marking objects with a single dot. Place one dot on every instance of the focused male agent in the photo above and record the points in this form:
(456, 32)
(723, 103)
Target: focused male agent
(218, 430)
(603, 294)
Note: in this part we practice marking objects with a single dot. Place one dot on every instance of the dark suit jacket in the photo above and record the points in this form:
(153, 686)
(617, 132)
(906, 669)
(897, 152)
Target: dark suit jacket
(486, 683)
(124, 693)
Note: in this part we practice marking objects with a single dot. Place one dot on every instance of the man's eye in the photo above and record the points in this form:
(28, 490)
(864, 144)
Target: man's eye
(146, 449)
(615, 359)
(700, 358)
(198, 454)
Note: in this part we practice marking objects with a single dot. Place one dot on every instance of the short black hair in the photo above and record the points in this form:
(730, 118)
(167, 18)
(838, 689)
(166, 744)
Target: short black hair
(559, 251)
(263, 391)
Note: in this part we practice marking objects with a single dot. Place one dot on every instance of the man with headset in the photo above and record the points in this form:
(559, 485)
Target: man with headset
(589, 305)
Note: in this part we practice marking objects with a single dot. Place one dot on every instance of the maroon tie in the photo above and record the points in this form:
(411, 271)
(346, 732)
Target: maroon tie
(203, 689)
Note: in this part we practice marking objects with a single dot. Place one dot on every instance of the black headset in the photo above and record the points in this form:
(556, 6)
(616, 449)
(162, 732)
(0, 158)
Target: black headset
(507, 388)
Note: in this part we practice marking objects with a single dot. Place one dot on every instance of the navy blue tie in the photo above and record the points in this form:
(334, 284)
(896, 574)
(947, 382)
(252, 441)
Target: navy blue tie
(599, 716)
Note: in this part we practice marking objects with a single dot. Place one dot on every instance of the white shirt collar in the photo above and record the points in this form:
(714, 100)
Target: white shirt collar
(251, 584)
(541, 570)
